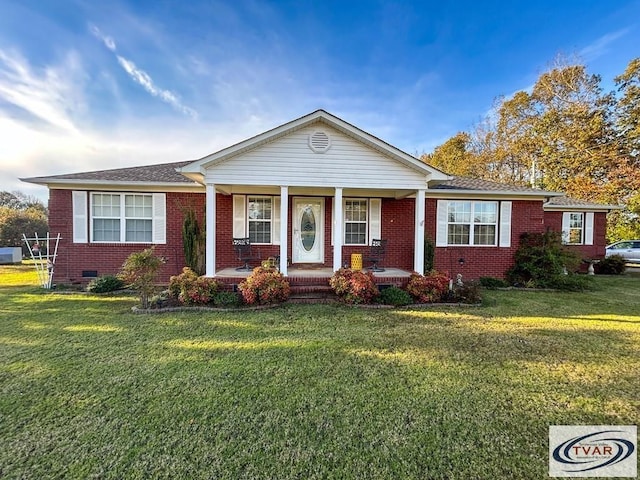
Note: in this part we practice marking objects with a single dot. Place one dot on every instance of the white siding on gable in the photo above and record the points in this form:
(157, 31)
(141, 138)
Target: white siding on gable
(290, 161)
(80, 217)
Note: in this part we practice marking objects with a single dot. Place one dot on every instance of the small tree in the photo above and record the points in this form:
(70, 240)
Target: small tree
(193, 242)
(139, 271)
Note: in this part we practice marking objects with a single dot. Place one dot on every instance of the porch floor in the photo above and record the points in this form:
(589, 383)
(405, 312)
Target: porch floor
(301, 273)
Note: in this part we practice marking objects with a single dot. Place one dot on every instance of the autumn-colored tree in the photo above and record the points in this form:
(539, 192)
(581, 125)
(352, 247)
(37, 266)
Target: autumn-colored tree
(565, 134)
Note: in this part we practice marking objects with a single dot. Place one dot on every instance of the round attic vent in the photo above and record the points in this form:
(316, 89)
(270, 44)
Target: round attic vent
(319, 142)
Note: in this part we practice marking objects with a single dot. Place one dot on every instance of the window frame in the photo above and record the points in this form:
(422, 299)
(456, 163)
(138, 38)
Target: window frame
(366, 222)
(473, 224)
(122, 217)
(249, 199)
(581, 228)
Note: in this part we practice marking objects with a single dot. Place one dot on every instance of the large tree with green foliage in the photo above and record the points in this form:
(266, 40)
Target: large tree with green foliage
(565, 134)
(20, 214)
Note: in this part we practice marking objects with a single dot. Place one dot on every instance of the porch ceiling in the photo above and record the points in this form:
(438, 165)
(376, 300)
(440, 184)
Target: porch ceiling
(314, 191)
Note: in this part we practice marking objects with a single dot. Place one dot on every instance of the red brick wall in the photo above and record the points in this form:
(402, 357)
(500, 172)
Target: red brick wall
(526, 216)
(553, 220)
(397, 228)
(108, 258)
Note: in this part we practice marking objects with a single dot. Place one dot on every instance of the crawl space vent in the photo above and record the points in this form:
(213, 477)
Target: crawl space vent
(319, 142)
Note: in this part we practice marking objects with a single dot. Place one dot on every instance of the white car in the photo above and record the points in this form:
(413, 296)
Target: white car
(629, 249)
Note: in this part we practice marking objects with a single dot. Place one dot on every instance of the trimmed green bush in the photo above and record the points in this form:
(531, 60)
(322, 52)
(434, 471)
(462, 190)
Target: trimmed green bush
(265, 286)
(105, 284)
(140, 271)
(395, 296)
(354, 286)
(492, 283)
(226, 299)
(613, 265)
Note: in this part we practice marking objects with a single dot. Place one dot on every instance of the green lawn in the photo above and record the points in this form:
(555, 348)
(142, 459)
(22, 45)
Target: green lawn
(90, 390)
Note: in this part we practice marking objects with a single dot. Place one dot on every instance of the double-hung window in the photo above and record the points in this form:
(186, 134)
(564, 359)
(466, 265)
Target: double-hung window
(575, 232)
(260, 218)
(119, 217)
(472, 223)
(355, 221)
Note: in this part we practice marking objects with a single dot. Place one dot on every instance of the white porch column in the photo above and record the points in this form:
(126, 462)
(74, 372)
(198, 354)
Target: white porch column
(337, 229)
(210, 239)
(418, 248)
(284, 238)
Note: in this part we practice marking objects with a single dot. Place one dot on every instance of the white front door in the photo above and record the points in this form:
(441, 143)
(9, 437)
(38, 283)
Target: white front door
(308, 230)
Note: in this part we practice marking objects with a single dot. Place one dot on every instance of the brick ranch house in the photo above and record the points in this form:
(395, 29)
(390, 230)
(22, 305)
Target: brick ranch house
(310, 193)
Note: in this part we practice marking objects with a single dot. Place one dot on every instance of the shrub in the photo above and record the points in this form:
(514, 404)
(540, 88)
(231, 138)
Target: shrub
(429, 254)
(569, 283)
(105, 284)
(540, 258)
(395, 296)
(428, 288)
(613, 265)
(265, 286)
(226, 299)
(354, 286)
(139, 271)
(190, 289)
(492, 283)
(469, 292)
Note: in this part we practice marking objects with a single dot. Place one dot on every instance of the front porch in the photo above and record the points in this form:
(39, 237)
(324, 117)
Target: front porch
(316, 276)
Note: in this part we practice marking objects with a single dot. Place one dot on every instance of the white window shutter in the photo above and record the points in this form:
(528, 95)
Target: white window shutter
(441, 230)
(275, 221)
(159, 223)
(566, 222)
(505, 224)
(588, 229)
(375, 219)
(79, 201)
(239, 217)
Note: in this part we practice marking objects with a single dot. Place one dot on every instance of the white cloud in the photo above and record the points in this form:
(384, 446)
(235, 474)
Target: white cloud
(602, 45)
(141, 77)
(49, 96)
(107, 40)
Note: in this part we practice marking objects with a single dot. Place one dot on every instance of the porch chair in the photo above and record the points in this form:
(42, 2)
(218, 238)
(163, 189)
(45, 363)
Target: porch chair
(376, 254)
(242, 247)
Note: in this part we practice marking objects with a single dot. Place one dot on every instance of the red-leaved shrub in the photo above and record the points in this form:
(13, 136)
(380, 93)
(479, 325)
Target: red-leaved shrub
(190, 289)
(265, 286)
(429, 288)
(354, 286)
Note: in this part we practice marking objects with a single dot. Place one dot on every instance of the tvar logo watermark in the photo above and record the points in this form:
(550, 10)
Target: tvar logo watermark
(593, 451)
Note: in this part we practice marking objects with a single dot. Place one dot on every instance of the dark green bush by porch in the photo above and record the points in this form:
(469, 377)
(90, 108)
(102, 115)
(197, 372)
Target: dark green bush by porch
(492, 283)
(105, 284)
(394, 296)
(542, 261)
(613, 265)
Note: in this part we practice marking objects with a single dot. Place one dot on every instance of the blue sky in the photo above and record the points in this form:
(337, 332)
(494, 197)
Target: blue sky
(88, 85)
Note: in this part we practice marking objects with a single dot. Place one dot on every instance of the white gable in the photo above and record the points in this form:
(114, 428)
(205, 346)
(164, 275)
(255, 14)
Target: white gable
(295, 160)
(318, 150)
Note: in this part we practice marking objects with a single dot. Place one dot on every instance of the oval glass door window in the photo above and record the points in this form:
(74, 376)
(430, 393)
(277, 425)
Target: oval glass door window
(308, 228)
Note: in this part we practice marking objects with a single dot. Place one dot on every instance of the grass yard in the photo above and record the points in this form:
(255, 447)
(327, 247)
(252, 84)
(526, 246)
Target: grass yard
(89, 390)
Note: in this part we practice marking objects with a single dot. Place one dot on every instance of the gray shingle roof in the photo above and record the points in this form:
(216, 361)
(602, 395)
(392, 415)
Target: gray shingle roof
(467, 183)
(160, 173)
(576, 203)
